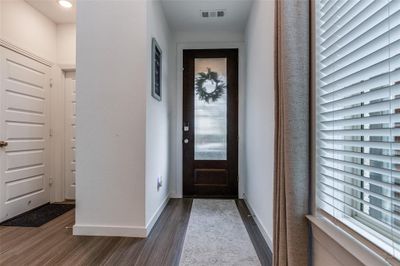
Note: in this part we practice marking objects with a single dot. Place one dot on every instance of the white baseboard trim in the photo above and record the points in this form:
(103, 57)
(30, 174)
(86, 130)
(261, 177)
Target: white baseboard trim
(104, 230)
(175, 195)
(264, 233)
(124, 231)
(156, 215)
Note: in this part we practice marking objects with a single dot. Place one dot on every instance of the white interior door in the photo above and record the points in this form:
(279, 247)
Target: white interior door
(24, 127)
(70, 118)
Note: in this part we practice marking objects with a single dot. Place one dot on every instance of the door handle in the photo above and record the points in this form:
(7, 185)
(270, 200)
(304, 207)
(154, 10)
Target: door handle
(3, 143)
(186, 141)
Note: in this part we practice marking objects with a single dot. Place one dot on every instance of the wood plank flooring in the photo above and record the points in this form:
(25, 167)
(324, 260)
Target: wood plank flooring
(53, 244)
(259, 243)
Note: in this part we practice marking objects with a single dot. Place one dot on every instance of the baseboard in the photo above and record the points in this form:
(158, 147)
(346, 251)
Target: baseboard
(175, 195)
(124, 231)
(103, 230)
(264, 233)
(156, 215)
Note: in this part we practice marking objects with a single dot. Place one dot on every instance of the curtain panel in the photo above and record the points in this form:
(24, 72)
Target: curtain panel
(292, 133)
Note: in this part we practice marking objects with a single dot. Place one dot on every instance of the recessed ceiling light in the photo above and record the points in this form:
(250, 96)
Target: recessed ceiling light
(65, 3)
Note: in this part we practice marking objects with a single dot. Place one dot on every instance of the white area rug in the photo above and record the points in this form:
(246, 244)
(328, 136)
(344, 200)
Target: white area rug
(216, 235)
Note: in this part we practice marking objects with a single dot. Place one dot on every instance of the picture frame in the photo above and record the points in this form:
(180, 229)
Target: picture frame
(156, 72)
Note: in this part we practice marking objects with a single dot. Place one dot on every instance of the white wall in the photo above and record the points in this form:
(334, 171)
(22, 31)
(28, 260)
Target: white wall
(111, 117)
(259, 128)
(1, 19)
(208, 36)
(26, 28)
(157, 118)
(66, 45)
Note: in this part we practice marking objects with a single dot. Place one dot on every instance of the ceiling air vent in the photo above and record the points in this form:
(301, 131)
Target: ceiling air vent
(212, 13)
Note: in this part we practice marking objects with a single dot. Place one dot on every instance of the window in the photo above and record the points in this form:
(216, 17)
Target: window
(358, 117)
(210, 113)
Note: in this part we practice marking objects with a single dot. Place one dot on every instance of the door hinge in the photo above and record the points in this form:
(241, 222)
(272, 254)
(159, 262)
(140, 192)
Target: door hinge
(50, 181)
(51, 83)
(51, 132)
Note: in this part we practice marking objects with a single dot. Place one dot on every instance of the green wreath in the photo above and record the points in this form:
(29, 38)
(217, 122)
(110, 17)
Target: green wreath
(202, 92)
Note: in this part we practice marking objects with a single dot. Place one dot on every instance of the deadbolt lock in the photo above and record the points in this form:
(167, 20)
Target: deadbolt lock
(3, 143)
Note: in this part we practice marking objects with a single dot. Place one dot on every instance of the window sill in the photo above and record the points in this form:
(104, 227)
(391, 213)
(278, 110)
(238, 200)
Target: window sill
(356, 248)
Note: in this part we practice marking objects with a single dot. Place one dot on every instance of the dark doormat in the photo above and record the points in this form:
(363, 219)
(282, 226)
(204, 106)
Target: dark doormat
(39, 216)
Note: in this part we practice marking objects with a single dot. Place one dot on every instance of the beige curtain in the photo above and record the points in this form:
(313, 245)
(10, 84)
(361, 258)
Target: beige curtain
(292, 152)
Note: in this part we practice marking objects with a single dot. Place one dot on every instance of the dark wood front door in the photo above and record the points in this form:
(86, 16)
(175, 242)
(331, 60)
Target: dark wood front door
(210, 123)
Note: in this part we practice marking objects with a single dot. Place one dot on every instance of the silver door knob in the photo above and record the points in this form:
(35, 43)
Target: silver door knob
(186, 141)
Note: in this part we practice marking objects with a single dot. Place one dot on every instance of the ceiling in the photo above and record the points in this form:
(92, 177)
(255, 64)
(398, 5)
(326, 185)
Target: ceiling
(52, 10)
(182, 15)
(185, 15)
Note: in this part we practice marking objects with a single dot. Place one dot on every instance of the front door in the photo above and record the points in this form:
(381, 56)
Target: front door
(210, 123)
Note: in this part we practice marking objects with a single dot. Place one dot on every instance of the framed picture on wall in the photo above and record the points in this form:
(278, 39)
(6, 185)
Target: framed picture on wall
(156, 72)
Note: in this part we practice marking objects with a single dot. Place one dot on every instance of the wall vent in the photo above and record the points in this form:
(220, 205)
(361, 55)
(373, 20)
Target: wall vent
(212, 13)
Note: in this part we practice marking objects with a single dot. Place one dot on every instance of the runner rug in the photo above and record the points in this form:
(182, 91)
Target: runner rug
(216, 235)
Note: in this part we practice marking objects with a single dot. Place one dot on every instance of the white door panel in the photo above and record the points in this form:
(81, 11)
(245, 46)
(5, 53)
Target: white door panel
(23, 159)
(24, 124)
(23, 103)
(17, 131)
(18, 188)
(26, 145)
(70, 118)
(21, 71)
(14, 175)
(25, 117)
(24, 89)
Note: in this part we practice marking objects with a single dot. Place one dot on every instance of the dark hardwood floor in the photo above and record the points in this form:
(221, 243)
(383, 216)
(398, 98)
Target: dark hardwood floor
(54, 244)
(259, 243)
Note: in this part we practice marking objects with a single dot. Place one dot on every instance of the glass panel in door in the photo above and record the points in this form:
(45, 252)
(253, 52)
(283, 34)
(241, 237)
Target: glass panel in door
(210, 109)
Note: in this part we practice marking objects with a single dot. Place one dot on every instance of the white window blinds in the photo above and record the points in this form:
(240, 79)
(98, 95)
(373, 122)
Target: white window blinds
(358, 116)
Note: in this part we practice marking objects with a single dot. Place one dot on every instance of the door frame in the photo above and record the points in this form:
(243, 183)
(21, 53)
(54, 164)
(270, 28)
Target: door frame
(67, 133)
(57, 141)
(229, 188)
(178, 134)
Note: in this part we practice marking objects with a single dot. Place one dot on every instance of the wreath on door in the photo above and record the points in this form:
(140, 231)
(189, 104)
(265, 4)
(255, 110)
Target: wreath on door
(206, 80)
